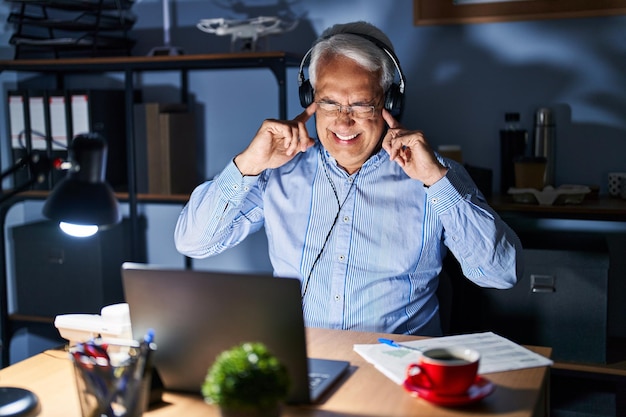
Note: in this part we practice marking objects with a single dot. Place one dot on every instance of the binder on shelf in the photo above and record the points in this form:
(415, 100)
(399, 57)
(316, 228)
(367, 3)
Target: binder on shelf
(166, 149)
(48, 120)
(57, 134)
(80, 112)
(37, 115)
(104, 112)
(30, 127)
(20, 143)
(17, 122)
(57, 106)
(178, 152)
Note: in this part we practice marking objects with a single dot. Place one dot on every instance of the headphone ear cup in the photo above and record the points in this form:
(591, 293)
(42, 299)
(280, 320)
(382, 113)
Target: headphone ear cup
(306, 94)
(394, 99)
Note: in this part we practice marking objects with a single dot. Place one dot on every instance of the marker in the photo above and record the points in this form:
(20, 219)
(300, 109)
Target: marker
(398, 345)
(149, 337)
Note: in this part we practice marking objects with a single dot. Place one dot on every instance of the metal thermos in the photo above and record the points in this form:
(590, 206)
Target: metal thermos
(544, 141)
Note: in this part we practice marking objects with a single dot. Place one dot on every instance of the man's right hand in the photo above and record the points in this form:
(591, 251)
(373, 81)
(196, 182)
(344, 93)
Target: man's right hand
(276, 143)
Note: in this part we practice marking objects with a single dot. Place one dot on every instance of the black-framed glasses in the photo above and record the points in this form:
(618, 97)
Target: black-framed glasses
(357, 111)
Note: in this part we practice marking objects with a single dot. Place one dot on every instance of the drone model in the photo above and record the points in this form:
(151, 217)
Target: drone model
(248, 30)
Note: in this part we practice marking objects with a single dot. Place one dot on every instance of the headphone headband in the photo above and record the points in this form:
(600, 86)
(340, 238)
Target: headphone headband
(394, 96)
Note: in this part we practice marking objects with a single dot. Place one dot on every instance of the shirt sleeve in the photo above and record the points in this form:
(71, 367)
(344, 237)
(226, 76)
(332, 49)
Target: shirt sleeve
(488, 250)
(219, 214)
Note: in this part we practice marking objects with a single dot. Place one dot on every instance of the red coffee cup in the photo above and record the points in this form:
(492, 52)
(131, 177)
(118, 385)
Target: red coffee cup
(446, 371)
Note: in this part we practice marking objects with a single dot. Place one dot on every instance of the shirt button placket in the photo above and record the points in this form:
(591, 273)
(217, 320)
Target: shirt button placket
(342, 248)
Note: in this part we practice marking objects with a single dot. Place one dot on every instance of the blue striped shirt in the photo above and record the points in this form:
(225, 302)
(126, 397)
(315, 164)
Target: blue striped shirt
(367, 247)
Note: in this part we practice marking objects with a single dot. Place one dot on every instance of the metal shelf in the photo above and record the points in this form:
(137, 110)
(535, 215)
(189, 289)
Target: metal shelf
(277, 62)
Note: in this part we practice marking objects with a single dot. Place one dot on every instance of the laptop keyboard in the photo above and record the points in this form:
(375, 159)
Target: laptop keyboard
(315, 379)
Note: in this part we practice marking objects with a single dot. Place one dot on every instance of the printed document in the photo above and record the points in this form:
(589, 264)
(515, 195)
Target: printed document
(497, 354)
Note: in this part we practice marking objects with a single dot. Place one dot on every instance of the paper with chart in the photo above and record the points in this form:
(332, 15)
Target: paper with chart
(498, 354)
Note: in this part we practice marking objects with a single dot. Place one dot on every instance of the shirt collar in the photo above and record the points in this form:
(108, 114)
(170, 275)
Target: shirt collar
(373, 162)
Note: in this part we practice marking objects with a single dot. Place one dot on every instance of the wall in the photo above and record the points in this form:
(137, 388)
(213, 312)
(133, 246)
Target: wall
(6, 29)
(461, 78)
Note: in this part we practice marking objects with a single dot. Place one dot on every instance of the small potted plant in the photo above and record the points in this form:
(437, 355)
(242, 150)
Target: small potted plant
(247, 380)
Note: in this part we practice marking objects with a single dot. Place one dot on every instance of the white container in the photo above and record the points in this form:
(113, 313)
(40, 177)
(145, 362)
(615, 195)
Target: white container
(112, 323)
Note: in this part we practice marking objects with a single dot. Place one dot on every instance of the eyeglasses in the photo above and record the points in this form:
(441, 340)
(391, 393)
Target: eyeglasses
(357, 111)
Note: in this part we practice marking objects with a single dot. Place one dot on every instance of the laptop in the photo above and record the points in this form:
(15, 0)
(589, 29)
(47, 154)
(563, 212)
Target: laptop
(198, 314)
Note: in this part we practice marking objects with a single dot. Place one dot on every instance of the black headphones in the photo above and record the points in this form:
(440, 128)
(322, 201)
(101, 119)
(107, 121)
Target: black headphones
(394, 96)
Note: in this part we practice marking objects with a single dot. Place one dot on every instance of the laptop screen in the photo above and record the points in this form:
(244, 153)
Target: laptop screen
(198, 314)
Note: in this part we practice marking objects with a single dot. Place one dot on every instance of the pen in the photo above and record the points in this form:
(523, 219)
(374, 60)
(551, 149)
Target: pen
(398, 345)
(145, 350)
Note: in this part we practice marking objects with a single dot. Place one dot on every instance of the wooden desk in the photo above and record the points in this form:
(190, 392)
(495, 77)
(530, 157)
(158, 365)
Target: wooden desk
(363, 391)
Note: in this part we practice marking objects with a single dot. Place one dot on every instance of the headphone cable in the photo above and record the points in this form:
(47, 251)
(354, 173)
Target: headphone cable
(330, 231)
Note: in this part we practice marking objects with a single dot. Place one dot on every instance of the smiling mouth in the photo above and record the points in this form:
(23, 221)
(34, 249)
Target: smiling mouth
(346, 138)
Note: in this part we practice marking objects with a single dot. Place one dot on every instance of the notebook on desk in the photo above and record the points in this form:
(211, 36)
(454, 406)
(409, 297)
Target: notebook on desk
(198, 314)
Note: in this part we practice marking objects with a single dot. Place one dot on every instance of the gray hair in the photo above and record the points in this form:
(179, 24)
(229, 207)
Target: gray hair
(343, 40)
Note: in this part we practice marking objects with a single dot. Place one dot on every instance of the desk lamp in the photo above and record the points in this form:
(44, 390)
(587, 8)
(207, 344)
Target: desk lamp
(82, 199)
(83, 202)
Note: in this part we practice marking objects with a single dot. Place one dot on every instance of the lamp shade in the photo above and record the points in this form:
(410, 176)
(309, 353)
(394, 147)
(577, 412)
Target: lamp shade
(83, 197)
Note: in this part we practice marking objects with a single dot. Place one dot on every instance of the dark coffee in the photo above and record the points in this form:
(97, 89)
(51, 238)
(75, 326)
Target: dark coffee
(447, 357)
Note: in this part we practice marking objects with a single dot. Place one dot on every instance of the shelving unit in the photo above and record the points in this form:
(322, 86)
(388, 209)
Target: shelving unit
(58, 28)
(276, 62)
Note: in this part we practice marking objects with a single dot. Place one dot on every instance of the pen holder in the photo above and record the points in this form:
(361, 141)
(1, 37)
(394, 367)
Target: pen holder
(113, 379)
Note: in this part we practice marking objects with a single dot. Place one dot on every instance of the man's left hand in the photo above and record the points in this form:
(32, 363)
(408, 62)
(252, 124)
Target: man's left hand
(410, 150)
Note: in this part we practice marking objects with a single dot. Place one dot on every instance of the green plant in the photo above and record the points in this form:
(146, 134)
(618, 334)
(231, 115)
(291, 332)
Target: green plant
(246, 377)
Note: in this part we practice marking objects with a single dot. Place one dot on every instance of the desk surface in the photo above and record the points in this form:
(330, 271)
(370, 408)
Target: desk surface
(363, 391)
(602, 208)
